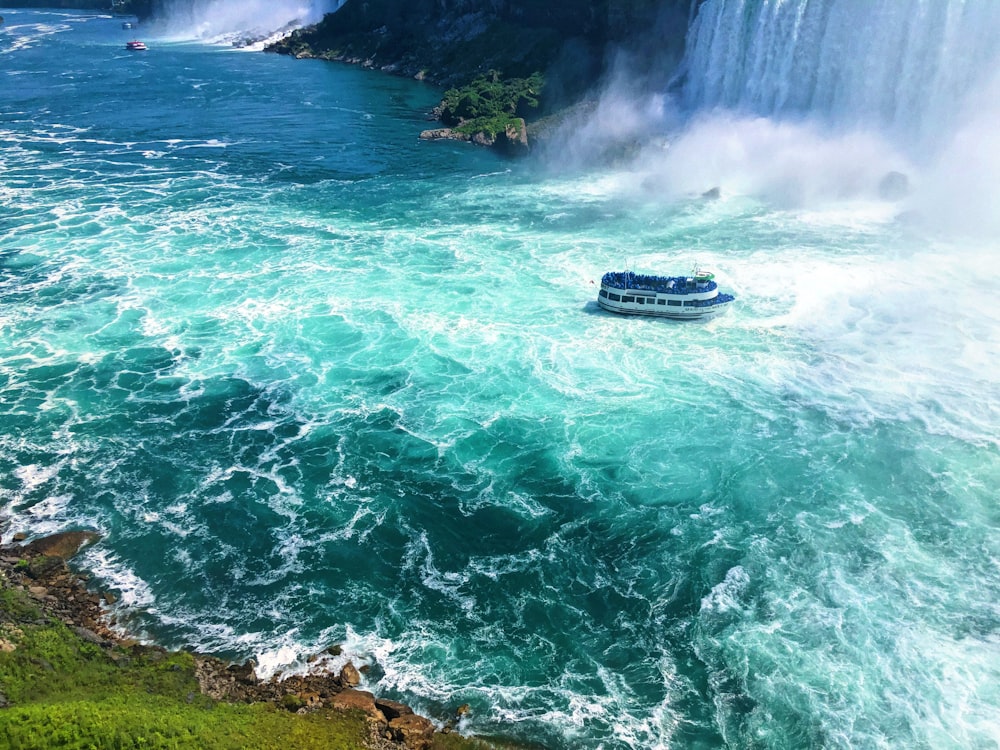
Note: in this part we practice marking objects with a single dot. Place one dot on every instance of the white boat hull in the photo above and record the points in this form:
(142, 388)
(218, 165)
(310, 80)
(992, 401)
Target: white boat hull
(694, 306)
(652, 312)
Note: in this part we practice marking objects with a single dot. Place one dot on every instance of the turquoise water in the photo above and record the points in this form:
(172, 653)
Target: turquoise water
(317, 381)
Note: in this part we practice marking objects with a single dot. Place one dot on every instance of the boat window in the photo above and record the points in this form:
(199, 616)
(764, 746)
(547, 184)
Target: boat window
(641, 300)
(628, 299)
(674, 303)
(603, 293)
(614, 297)
(661, 302)
(689, 303)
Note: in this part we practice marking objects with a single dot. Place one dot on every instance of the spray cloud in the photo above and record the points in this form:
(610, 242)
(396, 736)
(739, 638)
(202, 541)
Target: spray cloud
(222, 20)
(785, 100)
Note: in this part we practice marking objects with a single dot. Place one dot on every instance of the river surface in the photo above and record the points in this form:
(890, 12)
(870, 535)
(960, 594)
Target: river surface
(316, 381)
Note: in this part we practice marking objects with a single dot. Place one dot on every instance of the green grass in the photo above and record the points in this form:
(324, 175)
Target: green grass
(64, 692)
(132, 720)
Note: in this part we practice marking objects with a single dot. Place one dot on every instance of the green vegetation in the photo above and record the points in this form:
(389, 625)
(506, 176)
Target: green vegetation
(490, 103)
(59, 690)
(137, 721)
(64, 692)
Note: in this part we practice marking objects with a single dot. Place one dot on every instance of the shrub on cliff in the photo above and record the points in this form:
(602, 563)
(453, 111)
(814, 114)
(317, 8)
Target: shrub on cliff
(490, 103)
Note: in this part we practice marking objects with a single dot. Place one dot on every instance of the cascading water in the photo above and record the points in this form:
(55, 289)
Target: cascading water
(905, 66)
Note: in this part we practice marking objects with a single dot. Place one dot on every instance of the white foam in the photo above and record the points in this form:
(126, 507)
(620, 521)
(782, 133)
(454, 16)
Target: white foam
(133, 592)
(725, 596)
(35, 475)
(282, 659)
(51, 508)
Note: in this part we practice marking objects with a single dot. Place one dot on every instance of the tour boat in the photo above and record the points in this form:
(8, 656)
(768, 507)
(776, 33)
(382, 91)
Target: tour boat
(135, 45)
(677, 297)
(126, 25)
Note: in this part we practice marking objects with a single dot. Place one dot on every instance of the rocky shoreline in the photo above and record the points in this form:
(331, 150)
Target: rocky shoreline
(40, 570)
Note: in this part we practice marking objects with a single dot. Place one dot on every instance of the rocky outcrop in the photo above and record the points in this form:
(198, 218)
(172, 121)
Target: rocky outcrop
(62, 546)
(40, 570)
(350, 676)
(512, 141)
(444, 134)
(452, 41)
(413, 731)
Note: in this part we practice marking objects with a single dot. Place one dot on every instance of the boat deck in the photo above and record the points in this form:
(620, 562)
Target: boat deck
(628, 280)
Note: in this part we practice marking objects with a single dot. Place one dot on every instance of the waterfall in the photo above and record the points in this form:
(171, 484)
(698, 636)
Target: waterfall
(903, 66)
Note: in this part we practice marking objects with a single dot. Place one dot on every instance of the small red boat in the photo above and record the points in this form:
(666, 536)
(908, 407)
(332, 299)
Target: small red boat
(136, 46)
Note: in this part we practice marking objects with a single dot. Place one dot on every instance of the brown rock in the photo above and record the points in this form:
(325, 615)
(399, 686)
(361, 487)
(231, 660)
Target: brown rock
(244, 672)
(20, 536)
(482, 138)
(514, 139)
(310, 699)
(349, 675)
(350, 699)
(109, 598)
(63, 545)
(414, 731)
(444, 134)
(392, 709)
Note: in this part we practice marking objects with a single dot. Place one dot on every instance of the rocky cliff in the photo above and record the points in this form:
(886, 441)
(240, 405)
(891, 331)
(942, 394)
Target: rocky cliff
(452, 41)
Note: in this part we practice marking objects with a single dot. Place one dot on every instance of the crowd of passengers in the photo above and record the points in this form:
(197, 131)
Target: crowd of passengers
(665, 284)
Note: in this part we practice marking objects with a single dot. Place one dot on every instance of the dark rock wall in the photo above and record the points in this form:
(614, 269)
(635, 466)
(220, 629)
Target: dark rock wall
(451, 41)
(607, 20)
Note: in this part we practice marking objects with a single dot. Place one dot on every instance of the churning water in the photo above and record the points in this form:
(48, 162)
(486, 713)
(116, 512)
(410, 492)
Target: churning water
(316, 381)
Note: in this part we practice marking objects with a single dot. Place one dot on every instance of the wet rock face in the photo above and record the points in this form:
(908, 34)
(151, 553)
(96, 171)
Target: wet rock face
(350, 676)
(451, 41)
(350, 699)
(392, 709)
(614, 18)
(414, 731)
(63, 545)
